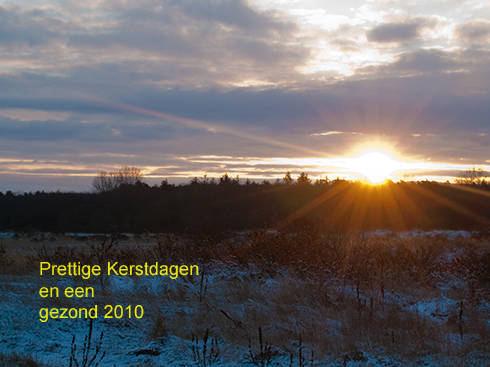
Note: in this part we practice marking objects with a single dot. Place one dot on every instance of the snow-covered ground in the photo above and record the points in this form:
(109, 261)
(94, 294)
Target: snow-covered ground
(445, 233)
(323, 317)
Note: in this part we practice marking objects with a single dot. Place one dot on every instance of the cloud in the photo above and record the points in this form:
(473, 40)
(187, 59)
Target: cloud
(237, 14)
(215, 38)
(33, 114)
(335, 132)
(474, 32)
(165, 43)
(408, 30)
(426, 61)
(327, 133)
(423, 61)
(25, 27)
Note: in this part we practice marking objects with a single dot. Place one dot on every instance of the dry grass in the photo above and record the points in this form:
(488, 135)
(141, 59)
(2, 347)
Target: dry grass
(338, 295)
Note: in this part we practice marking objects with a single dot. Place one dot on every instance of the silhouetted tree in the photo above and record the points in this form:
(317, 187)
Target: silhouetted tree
(165, 185)
(108, 181)
(227, 180)
(287, 179)
(303, 179)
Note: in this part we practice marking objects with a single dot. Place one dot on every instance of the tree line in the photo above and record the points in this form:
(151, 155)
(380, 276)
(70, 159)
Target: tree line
(122, 202)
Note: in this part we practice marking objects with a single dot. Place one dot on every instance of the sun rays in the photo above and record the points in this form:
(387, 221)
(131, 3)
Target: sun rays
(375, 167)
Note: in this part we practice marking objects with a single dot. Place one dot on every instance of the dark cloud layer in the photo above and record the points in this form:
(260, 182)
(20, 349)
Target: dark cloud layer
(394, 32)
(404, 31)
(475, 32)
(25, 27)
(426, 60)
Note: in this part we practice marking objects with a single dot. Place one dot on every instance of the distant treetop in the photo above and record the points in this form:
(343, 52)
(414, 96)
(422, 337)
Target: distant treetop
(108, 181)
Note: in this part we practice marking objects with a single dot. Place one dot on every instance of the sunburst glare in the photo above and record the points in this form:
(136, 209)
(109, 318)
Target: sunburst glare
(375, 167)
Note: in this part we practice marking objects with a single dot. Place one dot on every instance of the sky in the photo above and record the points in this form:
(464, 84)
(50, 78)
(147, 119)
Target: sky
(253, 88)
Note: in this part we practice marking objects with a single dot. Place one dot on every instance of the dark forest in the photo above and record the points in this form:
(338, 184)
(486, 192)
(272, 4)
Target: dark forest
(209, 206)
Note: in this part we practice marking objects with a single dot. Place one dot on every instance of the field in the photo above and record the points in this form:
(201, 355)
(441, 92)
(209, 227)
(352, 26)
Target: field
(262, 298)
(244, 183)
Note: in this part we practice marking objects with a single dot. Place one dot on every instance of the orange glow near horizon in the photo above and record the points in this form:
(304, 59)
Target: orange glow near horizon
(374, 165)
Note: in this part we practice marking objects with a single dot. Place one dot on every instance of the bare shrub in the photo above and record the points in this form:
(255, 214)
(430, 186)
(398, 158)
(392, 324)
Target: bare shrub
(91, 355)
(261, 354)
(204, 353)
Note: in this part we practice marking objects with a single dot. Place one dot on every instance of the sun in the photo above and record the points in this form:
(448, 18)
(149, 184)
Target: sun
(375, 167)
